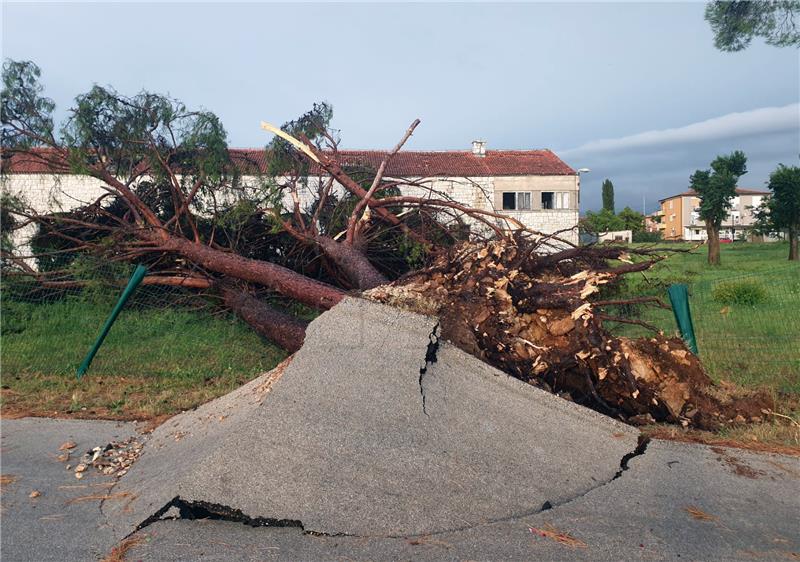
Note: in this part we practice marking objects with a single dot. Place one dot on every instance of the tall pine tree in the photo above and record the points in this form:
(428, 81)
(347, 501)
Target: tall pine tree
(608, 196)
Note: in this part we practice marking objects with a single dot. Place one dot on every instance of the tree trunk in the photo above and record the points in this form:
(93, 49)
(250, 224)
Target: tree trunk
(284, 330)
(285, 281)
(713, 244)
(352, 262)
(794, 255)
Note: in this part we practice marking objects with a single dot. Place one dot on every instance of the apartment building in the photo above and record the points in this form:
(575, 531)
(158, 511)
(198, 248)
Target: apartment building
(680, 216)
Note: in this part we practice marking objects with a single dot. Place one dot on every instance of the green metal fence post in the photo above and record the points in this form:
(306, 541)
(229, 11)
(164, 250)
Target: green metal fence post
(679, 298)
(136, 278)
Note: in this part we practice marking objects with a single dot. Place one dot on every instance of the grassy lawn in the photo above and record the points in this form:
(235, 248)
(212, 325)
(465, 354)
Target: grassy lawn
(753, 344)
(154, 361)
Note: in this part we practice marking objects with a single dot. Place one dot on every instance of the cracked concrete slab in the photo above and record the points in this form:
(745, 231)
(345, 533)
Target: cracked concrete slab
(643, 515)
(341, 443)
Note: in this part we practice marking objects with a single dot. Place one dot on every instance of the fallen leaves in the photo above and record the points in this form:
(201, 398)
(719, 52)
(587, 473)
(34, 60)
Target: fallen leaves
(118, 553)
(561, 537)
(67, 446)
(34, 494)
(699, 514)
(100, 497)
(7, 479)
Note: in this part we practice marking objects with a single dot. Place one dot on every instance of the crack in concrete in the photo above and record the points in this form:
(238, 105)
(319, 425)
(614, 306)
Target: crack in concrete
(198, 509)
(640, 449)
(430, 357)
(205, 510)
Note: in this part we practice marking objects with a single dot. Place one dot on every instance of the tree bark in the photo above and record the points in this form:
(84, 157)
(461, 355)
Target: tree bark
(352, 262)
(285, 281)
(713, 245)
(794, 255)
(284, 330)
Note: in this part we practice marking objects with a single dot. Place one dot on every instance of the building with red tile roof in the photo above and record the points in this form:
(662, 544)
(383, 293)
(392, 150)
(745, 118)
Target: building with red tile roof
(534, 187)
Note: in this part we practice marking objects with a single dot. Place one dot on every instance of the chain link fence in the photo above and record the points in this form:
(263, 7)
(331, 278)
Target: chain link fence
(167, 337)
(747, 326)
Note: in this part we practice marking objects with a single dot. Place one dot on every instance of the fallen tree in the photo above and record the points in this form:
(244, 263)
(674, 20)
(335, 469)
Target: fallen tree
(174, 199)
(537, 316)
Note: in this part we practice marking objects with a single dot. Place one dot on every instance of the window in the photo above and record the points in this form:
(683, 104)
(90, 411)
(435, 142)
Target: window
(555, 200)
(517, 201)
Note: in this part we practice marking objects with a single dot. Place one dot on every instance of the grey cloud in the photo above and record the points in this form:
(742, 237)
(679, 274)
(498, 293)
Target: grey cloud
(756, 122)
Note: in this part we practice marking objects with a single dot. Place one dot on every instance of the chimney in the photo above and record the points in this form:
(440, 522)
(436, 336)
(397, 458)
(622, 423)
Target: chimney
(479, 148)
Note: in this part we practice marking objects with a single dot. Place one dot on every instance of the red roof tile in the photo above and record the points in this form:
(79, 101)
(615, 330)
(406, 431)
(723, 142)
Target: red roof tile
(404, 163)
(739, 191)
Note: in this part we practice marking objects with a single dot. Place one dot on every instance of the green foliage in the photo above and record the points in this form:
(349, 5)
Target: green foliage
(9, 221)
(313, 124)
(736, 23)
(24, 108)
(608, 196)
(739, 292)
(647, 237)
(717, 187)
(146, 129)
(602, 221)
(784, 203)
(632, 220)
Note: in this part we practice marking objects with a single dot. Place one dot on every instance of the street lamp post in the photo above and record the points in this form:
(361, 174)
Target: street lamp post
(581, 171)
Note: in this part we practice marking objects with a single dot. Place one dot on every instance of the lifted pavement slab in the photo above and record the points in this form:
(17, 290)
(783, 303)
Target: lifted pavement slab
(750, 501)
(352, 438)
(53, 526)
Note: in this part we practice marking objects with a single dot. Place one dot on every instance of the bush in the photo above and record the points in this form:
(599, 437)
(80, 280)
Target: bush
(739, 292)
(643, 236)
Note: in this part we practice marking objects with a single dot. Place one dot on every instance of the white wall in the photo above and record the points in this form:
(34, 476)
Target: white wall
(47, 193)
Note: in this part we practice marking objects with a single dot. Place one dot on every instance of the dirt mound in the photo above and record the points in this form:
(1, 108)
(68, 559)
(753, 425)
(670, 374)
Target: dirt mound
(532, 316)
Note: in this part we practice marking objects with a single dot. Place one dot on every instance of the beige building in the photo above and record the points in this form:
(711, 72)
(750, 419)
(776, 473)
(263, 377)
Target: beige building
(680, 216)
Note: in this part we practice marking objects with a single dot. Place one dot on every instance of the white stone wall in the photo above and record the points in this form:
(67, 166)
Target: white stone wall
(47, 193)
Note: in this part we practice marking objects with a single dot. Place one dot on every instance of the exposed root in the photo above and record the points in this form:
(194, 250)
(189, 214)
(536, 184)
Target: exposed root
(533, 316)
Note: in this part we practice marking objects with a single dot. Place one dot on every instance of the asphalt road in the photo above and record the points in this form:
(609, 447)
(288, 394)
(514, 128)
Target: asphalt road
(675, 502)
(62, 522)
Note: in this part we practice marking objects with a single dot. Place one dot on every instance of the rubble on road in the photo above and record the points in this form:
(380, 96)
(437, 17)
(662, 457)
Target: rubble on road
(112, 459)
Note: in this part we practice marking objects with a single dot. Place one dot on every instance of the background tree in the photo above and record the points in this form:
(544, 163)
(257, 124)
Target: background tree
(608, 196)
(736, 23)
(716, 189)
(601, 221)
(781, 210)
(631, 220)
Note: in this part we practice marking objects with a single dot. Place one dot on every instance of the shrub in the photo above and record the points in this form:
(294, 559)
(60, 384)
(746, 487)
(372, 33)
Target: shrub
(643, 236)
(739, 292)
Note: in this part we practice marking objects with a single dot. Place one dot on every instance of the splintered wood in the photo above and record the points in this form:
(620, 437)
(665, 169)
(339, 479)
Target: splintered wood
(533, 316)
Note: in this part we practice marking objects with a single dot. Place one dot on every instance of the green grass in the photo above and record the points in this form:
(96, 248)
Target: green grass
(754, 345)
(153, 362)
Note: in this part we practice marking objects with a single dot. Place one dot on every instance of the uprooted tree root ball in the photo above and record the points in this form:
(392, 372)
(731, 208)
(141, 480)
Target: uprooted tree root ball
(531, 315)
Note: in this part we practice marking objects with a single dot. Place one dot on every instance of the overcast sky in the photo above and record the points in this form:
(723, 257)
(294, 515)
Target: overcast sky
(634, 91)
